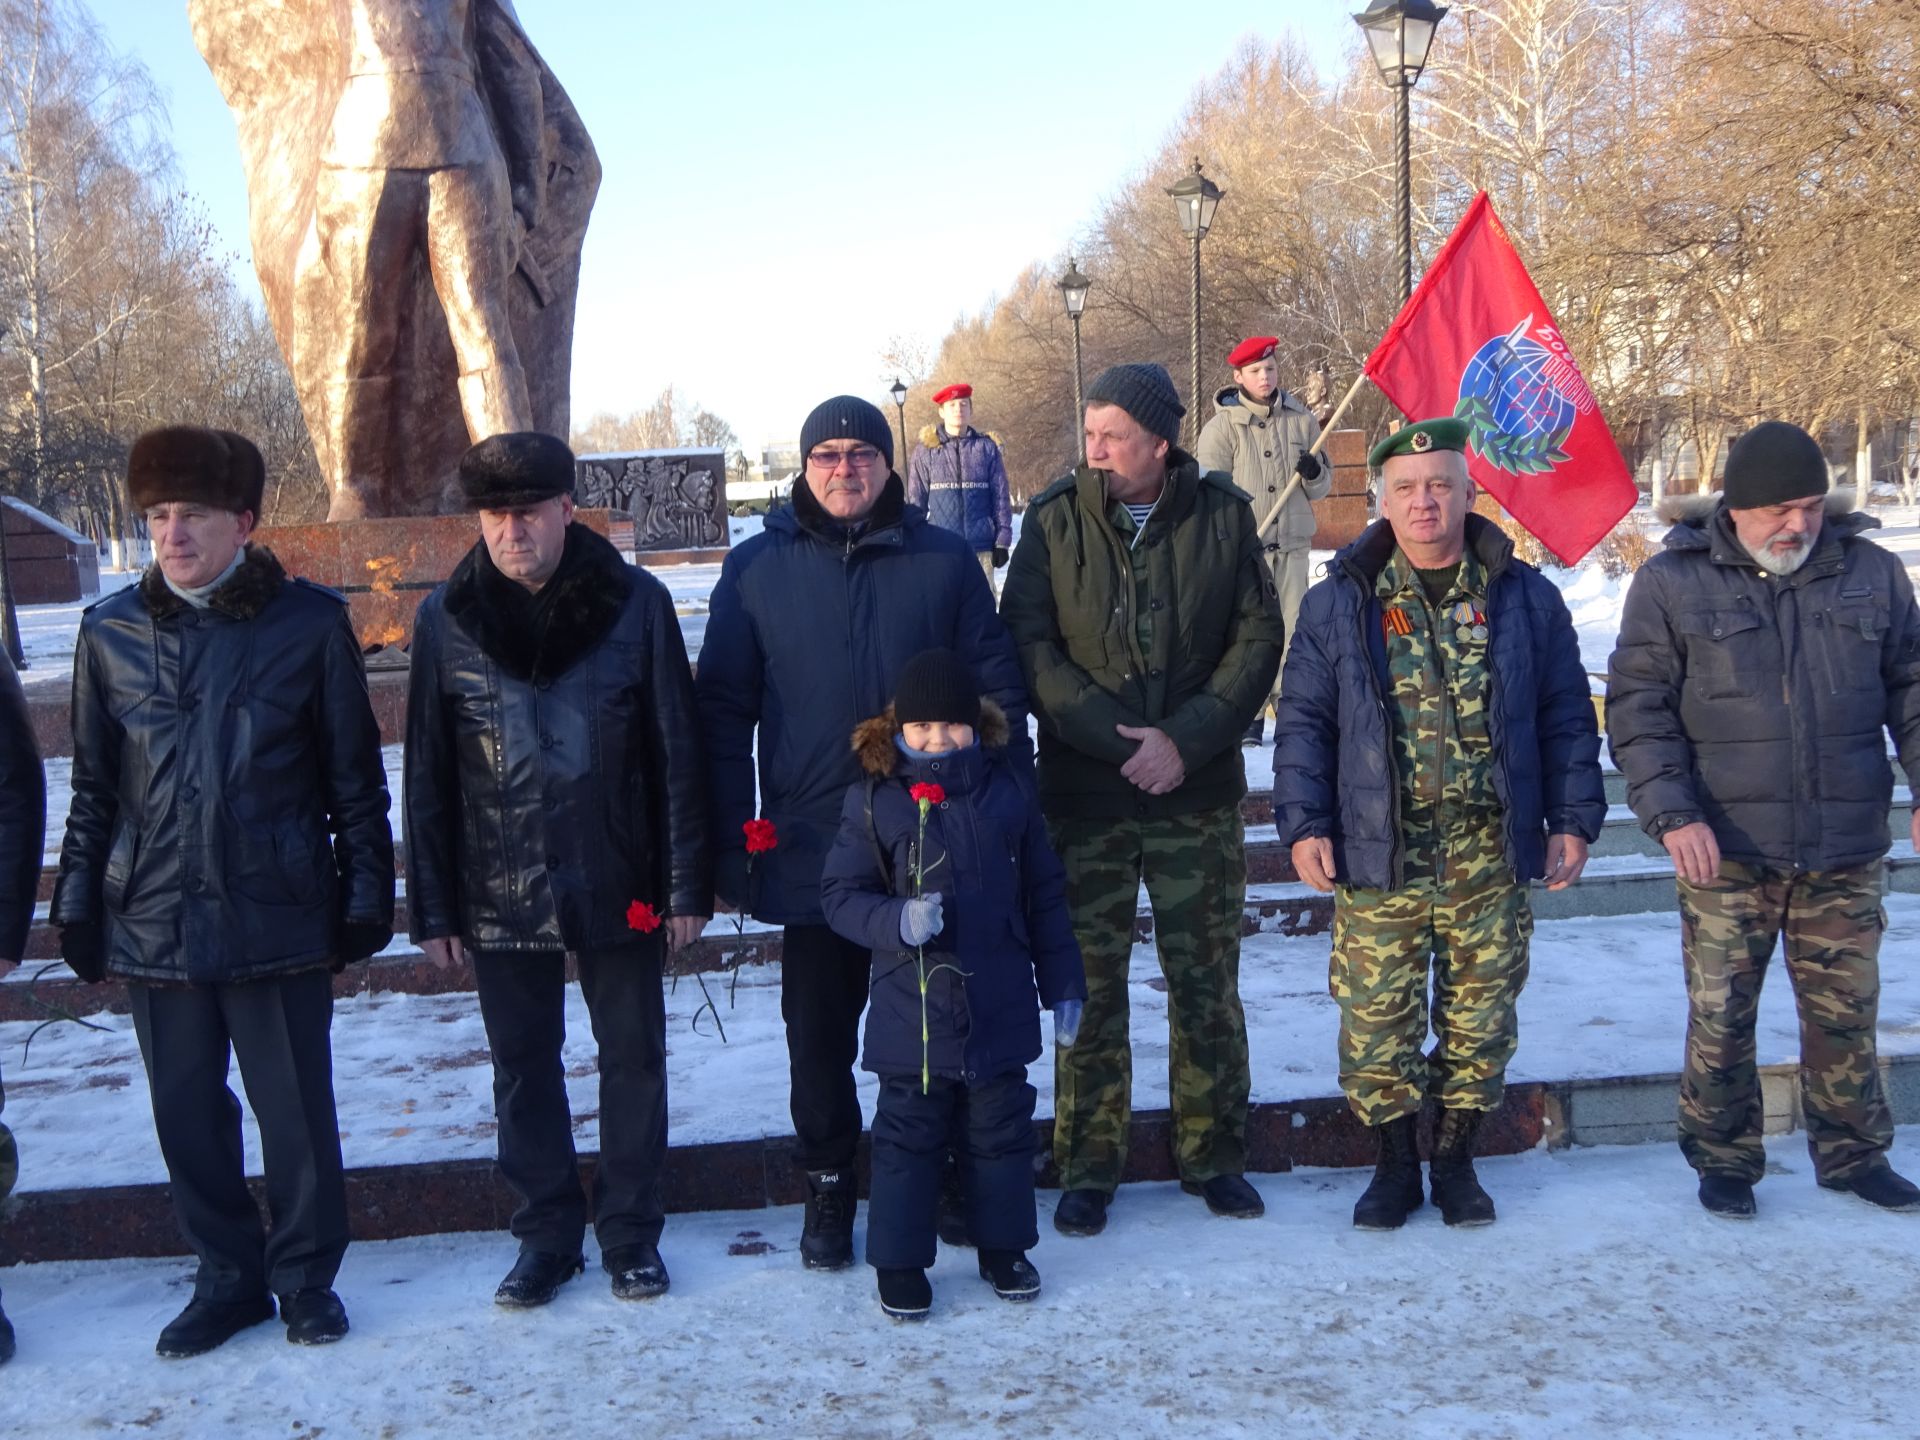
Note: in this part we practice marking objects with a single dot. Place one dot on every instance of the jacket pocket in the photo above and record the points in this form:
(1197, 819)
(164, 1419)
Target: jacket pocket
(120, 863)
(1851, 647)
(288, 867)
(1727, 652)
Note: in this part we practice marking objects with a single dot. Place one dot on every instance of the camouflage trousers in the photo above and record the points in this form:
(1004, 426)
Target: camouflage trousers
(1729, 929)
(1459, 919)
(1195, 869)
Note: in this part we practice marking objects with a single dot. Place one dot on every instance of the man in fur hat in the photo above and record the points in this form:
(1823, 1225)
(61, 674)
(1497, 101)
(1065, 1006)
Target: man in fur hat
(227, 847)
(1763, 658)
(556, 802)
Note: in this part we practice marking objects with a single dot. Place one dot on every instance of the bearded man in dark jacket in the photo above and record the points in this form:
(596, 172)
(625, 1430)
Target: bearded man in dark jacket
(1764, 656)
(810, 627)
(556, 802)
(227, 846)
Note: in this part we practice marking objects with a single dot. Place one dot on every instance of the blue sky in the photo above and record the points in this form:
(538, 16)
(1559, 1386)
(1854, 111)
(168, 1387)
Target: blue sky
(788, 186)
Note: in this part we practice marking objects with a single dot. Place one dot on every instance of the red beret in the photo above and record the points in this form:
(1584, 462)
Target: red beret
(1257, 348)
(953, 392)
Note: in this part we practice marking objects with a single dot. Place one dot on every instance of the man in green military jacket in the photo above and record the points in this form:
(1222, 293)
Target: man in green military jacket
(1150, 633)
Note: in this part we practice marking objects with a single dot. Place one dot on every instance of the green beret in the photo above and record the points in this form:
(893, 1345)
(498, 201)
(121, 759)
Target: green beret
(1446, 433)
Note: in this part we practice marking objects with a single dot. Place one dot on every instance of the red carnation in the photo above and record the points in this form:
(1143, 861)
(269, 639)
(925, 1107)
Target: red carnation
(761, 836)
(642, 917)
(928, 794)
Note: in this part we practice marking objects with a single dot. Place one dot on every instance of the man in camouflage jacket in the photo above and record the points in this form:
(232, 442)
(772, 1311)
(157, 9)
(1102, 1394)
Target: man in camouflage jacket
(1764, 655)
(1435, 752)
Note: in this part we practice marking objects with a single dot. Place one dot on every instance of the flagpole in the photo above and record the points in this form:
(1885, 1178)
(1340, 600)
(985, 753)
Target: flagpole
(1313, 449)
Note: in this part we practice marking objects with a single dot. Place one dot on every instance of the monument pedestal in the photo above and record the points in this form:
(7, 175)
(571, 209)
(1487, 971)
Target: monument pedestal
(385, 568)
(1342, 515)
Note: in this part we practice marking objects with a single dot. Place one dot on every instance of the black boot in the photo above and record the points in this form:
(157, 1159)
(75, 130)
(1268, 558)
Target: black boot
(1081, 1212)
(1395, 1192)
(905, 1294)
(208, 1324)
(314, 1316)
(6, 1338)
(1256, 732)
(536, 1278)
(1010, 1273)
(1456, 1189)
(1880, 1185)
(638, 1271)
(1727, 1196)
(826, 1238)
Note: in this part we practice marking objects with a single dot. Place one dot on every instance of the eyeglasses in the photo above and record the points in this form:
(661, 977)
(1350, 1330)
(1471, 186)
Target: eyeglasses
(860, 457)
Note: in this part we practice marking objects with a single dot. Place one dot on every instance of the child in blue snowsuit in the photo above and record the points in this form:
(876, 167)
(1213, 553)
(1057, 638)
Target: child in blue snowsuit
(976, 900)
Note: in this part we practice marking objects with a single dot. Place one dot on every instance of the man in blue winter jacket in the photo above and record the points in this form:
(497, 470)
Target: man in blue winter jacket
(958, 476)
(1436, 751)
(809, 629)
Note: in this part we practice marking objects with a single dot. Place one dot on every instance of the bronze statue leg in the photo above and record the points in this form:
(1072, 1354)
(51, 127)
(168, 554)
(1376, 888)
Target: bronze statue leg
(368, 223)
(470, 225)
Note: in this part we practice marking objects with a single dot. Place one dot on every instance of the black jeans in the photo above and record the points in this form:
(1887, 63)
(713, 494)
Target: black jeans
(823, 989)
(991, 1124)
(523, 1002)
(280, 1031)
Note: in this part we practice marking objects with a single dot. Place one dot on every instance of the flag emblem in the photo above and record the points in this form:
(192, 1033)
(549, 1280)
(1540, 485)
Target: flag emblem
(1521, 395)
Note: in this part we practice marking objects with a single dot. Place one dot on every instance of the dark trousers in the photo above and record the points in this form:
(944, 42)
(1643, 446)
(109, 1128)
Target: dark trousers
(523, 998)
(823, 989)
(279, 1030)
(991, 1124)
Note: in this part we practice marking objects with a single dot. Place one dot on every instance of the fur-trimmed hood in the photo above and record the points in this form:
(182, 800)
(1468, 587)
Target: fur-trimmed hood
(544, 639)
(242, 596)
(873, 738)
(1694, 509)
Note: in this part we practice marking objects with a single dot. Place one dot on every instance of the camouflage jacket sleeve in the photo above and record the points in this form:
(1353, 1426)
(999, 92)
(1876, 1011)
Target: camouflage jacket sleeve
(1644, 731)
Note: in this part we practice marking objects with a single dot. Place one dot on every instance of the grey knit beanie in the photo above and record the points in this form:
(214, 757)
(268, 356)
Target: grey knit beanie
(1144, 391)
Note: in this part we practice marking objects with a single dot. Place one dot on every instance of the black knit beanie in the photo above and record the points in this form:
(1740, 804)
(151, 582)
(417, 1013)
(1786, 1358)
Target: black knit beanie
(1773, 463)
(937, 685)
(1145, 392)
(847, 417)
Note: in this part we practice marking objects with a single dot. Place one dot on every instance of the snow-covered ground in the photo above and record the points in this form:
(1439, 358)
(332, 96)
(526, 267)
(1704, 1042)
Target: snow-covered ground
(1605, 1302)
(413, 1081)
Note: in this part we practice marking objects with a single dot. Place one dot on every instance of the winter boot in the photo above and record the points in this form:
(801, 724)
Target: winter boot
(1081, 1212)
(314, 1316)
(950, 1219)
(1880, 1185)
(536, 1278)
(638, 1271)
(1395, 1191)
(1228, 1195)
(1456, 1189)
(826, 1238)
(905, 1294)
(1010, 1273)
(208, 1324)
(1256, 732)
(1727, 1196)
(6, 1338)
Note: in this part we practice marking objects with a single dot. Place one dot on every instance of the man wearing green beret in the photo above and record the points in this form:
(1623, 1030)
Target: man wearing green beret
(1435, 752)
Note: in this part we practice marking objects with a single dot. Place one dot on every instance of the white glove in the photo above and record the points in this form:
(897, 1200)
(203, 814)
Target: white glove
(1066, 1023)
(920, 919)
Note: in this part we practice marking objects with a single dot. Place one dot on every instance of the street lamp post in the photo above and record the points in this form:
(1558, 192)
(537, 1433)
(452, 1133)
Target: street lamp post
(1073, 290)
(1400, 32)
(1197, 198)
(899, 393)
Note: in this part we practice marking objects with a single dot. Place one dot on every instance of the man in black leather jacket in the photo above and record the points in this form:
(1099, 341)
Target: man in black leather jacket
(227, 847)
(556, 802)
(23, 821)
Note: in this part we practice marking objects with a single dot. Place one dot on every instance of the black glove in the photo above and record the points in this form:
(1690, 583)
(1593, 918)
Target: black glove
(360, 940)
(1307, 467)
(84, 947)
(999, 557)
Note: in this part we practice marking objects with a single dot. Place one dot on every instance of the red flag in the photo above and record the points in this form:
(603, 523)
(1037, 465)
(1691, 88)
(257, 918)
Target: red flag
(1477, 341)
